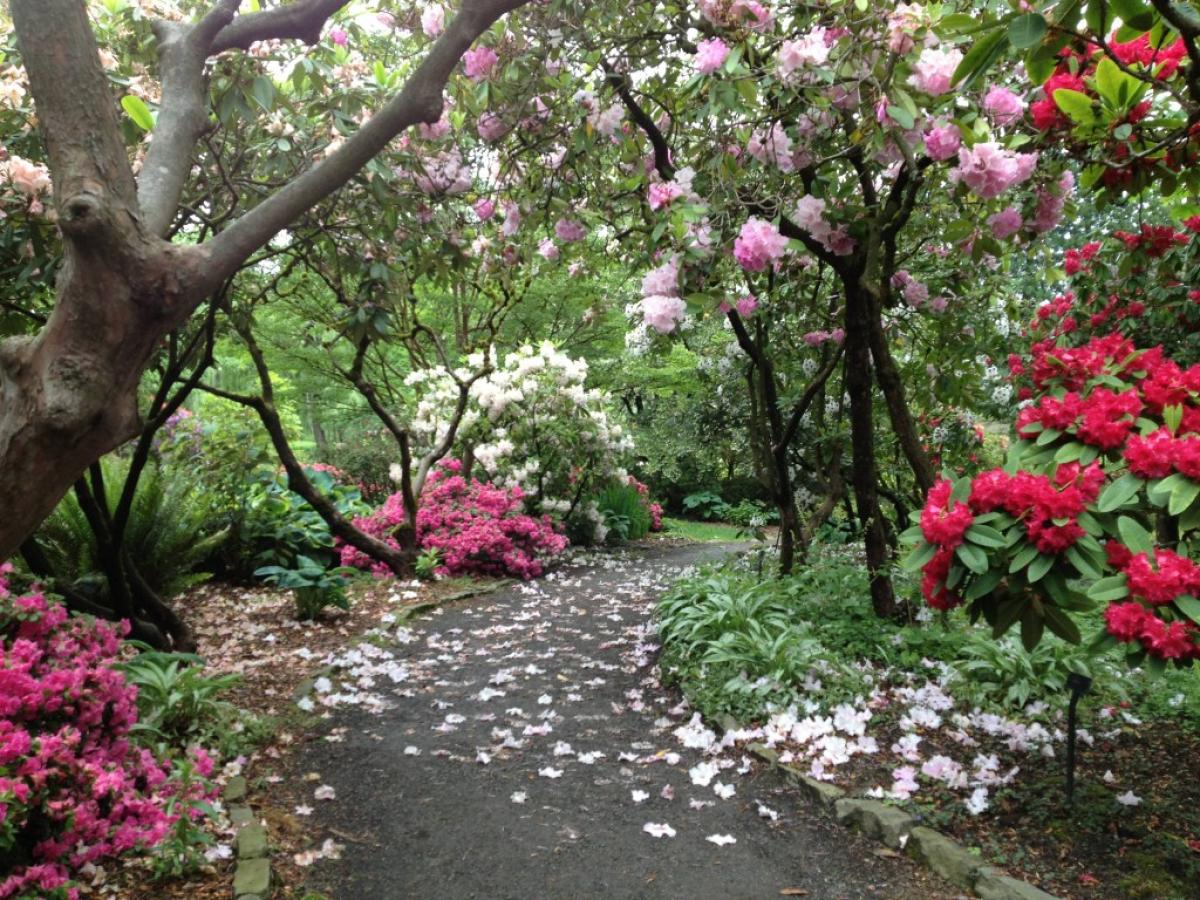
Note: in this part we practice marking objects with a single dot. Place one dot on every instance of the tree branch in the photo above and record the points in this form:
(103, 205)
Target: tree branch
(420, 100)
(302, 20)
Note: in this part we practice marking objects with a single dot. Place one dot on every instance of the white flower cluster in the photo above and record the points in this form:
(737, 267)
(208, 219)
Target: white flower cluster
(532, 423)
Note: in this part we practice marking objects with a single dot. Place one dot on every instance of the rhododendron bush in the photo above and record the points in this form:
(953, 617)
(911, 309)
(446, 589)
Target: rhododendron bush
(532, 425)
(477, 528)
(1094, 513)
(74, 788)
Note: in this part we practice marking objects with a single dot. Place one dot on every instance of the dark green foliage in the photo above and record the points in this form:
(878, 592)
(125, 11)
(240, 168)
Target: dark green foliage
(314, 585)
(168, 535)
(706, 505)
(624, 512)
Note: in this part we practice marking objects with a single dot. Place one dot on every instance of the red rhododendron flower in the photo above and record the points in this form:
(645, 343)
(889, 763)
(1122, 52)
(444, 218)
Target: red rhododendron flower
(941, 524)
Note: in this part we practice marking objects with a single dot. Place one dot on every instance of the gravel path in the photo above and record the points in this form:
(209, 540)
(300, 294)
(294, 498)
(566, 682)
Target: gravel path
(513, 747)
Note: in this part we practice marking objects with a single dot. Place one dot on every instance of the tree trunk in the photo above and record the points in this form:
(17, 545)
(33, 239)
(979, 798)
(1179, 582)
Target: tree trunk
(864, 473)
(892, 385)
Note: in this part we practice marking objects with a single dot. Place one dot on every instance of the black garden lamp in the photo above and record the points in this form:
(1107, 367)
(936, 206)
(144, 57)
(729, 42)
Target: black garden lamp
(1078, 685)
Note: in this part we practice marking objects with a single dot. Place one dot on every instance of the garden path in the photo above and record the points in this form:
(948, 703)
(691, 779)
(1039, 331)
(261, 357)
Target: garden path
(429, 802)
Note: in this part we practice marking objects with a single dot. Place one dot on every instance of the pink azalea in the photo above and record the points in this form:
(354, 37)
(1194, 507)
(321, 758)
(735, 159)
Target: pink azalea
(942, 142)
(485, 209)
(1005, 223)
(934, 70)
(989, 170)
(339, 36)
(747, 305)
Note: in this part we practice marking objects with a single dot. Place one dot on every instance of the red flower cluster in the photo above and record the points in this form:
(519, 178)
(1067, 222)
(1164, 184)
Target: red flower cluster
(1104, 418)
(1170, 576)
(1153, 240)
(1130, 621)
(1140, 50)
(1158, 453)
(1049, 509)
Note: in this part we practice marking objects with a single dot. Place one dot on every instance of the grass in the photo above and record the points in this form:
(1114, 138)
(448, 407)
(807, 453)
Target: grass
(700, 531)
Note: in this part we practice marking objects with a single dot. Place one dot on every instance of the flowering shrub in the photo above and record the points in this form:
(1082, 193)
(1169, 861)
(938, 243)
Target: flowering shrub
(478, 528)
(532, 424)
(1096, 505)
(74, 789)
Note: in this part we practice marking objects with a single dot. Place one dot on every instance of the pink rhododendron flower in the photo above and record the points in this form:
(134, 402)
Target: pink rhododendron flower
(433, 20)
(1005, 223)
(934, 70)
(811, 49)
(758, 244)
(942, 142)
(663, 313)
(772, 147)
(568, 231)
(1050, 203)
(809, 215)
(338, 36)
(663, 193)
(1002, 106)
(485, 209)
(491, 127)
(989, 170)
(902, 23)
(746, 305)
(548, 249)
(477, 63)
(663, 281)
(512, 218)
(711, 55)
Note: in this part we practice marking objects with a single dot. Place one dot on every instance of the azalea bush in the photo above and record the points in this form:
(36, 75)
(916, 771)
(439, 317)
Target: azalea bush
(1095, 509)
(475, 527)
(75, 788)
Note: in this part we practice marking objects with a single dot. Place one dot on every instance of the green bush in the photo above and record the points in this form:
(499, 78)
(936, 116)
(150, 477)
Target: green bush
(168, 535)
(749, 512)
(314, 585)
(705, 505)
(624, 512)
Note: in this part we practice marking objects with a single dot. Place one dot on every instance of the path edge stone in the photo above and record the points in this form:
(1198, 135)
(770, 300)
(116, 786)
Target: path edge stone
(898, 830)
(252, 873)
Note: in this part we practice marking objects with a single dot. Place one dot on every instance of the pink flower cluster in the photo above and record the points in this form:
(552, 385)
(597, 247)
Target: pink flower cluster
(711, 55)
(74, 790)
(989, 169)
(479, 528)
(479, 62)
(758, 245)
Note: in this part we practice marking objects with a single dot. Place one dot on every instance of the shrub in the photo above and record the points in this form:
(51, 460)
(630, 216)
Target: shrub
(705, 505)
(74, 788)
(625, 515)
(1108, 451)
(168, 534)
(312, 584)
(479, 529)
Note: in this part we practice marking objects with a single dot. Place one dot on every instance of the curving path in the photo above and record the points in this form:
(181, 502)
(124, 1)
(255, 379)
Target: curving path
(439, 794)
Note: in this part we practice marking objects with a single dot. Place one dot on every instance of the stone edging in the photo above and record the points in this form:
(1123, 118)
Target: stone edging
(252, 876)
(900, 831)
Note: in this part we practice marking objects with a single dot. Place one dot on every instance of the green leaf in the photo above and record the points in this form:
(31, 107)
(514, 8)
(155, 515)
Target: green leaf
(1082, 564)
(980, 58)
(1119, 492)
(1027, 30)
(984, 584)
(961, 491)
(972, 557)
(1134, 536)
(1022, 559)
(1007, 615)
(1135, 14)
(1039, 567)
(1075, 105)
(1114, 85)
(1173, 417)
(1182, 496)
(901, 116)
(920, 555)
(1106, 590)
(985, 536)
(138, 111)
(910, 535)
(263, 92)
(1032, 626)
(1062, 624)
(1098, 17)
(1189, 606)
